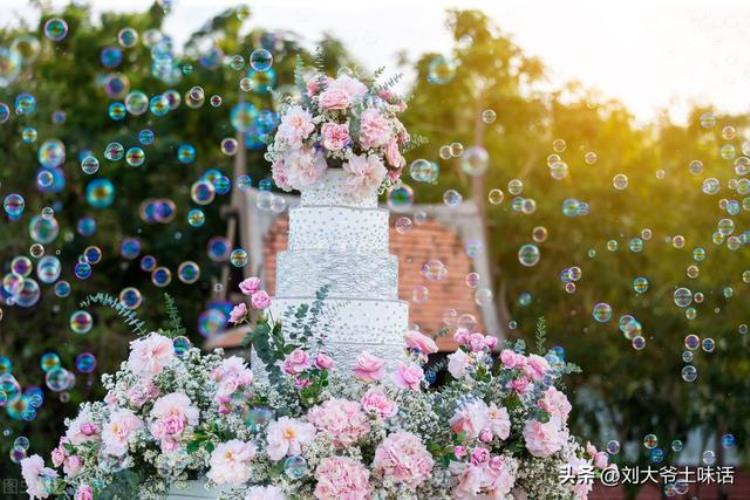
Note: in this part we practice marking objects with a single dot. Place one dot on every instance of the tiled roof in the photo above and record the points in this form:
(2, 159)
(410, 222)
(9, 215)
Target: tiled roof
(426, 241)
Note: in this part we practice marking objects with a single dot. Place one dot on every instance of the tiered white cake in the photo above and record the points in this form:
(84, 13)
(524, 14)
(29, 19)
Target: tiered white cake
(342, 242)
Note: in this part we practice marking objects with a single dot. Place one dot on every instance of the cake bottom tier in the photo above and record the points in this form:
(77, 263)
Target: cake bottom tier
(348, 327)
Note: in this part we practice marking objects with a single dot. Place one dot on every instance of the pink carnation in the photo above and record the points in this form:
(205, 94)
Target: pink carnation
(471, 419)
(323, 361)
(296, 362)
(492, 478)
(341, 419)
(375, 401)
(536, 367)
(34, 473)
(84, 492)
(260, 300)
(458, 362)
(335, 136)
(364, 174)
(296, 125)
(342, 478)
(249, 286)
(287, 436)
(270, 492)
(499, 421)
(369, 368)
(511, 359)
(149, 355)
(374, 129)
(280, 175)
(304, 167)
(408, 376)
(122, 424)
(341, 93)
(393, 154)
(420, 342)
(238, 313)
(403, 459)
(230, 462)
(543, 439)
(170, 417)
(555, 403)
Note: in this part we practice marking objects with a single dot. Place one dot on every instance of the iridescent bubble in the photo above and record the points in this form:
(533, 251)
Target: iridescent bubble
(211, 322)
(229, 146)
(539, 234)
(181, 346)
(135, 156)
(440, 70)
(711, 186)
(21, 266)
(613, 447)
(420, 294)
(400, 198)
(238, 257)
(100, 193)
(260, 82)
(25, 104)
(14, 205)
(59, 379)
(117, 111)
(215, 101)
(635, 245)
(496, 196)
(590, 158)
(692, 271)
(708, 120)
(475, 160)
(51, 153)
(28, 293)
(452, 198)
(82, 270)
(219, 248)
(188, 272)
(196, 217)
(559, 170)
(48, 269)
(85, 362)
(62, 288)
(136, 102)
(186, 153)
(28, 134)
(159, 105)
(148, 263)
(515, 187)
(640, 285)
(559, 145)
(90, 165)
(161, 277)
(620, 182)
(127, 37)
(708, 457)
(472, 280)
(656, 455)
(130, 248)
(49, 361)
(81, 322)
(682, 297)
(728, 441)
(445, 152)
(422, 170)
(202, 192)
(692, 342)
(638, 343)
(489, 116)
(114, 151)
(528, 255)
(457, 149)
(131, 298)
(55, 29)
(17, 455)
(708, 345)
(728, 151)
(261, 60)
(4, 111)
(36, 250)
(689, 373)
(404, 224)
(434, 270)
(602, 312)
(650, 441)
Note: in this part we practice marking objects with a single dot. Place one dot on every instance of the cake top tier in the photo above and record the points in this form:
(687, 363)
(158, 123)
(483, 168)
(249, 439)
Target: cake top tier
(332, 191)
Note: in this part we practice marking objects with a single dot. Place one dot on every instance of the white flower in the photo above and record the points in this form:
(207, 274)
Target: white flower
(230, 462)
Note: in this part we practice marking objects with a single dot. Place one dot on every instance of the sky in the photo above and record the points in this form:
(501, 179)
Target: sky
(649, 54)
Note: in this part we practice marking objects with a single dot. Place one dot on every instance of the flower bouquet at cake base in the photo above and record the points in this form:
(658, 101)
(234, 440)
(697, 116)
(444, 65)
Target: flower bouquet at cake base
(495, 429)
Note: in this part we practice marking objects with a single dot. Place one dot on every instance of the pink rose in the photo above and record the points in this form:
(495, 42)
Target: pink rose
(260, 300)
(408, 376)
(374, 129)
(89, 429)
(490, 342)
(599, 457)
(110, 398)
(458, 362)
(485, 436)
(335, 136)
(58, 456)
(174, 424)
(171, 415)
(543, 439)
(238, 313)
(334, 99)
(479, 456)
(249, 286)
(511, 359)
(364, 174)
(270, 492)
(476, 342)
(149, 355)
(323, 362)
(420, 342)
(84, 492)
(462, 336)
(520, 385)
(296, 126)
(314, 84)
(393, 154)
(296, 362)
(375, 401)
(122, 424)
(536, 367)
(459, 451)
(73, 465)
(369, 368)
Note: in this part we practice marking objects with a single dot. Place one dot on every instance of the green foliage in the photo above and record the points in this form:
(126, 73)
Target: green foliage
(174, 319)
(128, 316)
(541, 336)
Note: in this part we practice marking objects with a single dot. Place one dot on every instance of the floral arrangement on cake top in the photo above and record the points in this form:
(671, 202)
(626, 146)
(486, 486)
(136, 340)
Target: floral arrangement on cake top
(497, 427)
(348, 122)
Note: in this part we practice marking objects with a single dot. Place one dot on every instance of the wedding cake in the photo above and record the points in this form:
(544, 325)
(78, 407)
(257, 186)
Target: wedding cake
(340, 241)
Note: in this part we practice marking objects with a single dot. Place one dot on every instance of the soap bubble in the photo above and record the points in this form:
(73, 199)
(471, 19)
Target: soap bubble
(620, 182)
(472, 280)
(452, 198)
(434, 270)
(559, 145)
(404, 224)
(81, 322)
(59, 379)
(48, 269)
(211, 322)
(188, 272)
(602, 312)
(528, 255)
(51, 153)
(127, 37)
(181, 346)
(130, 297)
(708, 457)
(117, 111)
(539, 234)
(640, 285)
(261, 60)
(202, 192)
(295, 467)
(559, 170)
(400, 198)
(613, 447)
(196, 217)
(49, 361)
(186, 153)
(100, 193)
(682, 297)
(440, 70)
(28, 293)
(638, 343)
(229, 146)
(85, 362)
(422, 170)
(695, 167)
(457, 149)
(161, 277)
(689, 373)
(590, 158)
(219, 248)
(475, 160)
(135, 156)
(14, 205)
(43, 230)
(90, 165)
(420, 294)
(114, 151)
(62, 288)
(238, 257)
(708, 345)
(496, 196)
(55, 29)
(489, 116)
(515, 187)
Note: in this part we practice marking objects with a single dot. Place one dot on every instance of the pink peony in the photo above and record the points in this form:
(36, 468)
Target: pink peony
(230, 376)
(170, 417)
(260, 300)
(270, 492)
(305, 167)
(499, 421)
(335, 136)
(288, 436)
(420, 342)
(511, 360)
(458, 362)
(323, 361)
(149, 355)
(230, 462)
(238, 313)
(393, 154)
(403, 459)
(296, 362)
(342, 420)
(555, 403)
(342, 478)
(376, 402)
(280, 176)
(408, 376)
(34, 473)
(364, 174)
(369, 368)
(479, 456)
(341, 93)
(471, 418)
(296, 125)
(249, 286)
(543, 439)
(122, 424)
(84, 492)
(536, 367)
(374, 129)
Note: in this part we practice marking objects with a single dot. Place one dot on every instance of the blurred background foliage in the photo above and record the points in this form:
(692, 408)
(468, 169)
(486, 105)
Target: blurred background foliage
(623, 393)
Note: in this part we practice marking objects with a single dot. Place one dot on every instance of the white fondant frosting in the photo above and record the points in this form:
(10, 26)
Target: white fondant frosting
(362, 230)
